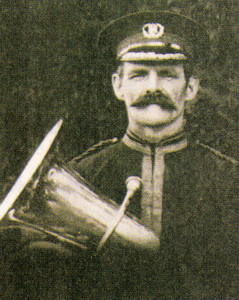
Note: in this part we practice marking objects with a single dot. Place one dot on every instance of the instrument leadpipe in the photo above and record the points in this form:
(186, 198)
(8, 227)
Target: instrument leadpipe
(133, 183)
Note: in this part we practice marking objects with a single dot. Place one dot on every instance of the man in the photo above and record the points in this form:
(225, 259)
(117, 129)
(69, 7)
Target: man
(188, 195)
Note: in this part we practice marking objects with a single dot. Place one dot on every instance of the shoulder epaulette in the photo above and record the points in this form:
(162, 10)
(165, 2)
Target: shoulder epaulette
(97, 147)
(218, 153)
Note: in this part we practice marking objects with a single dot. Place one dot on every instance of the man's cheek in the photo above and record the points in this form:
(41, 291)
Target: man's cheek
(131, 97)
(177, 95)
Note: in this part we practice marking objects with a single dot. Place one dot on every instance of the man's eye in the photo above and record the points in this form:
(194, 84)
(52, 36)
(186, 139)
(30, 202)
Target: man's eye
(170, 77)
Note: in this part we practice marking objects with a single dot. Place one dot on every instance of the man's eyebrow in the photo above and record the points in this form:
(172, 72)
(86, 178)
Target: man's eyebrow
(167, 71)
(138, 71)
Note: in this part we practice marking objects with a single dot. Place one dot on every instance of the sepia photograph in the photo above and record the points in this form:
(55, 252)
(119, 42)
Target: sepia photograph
(119, 149)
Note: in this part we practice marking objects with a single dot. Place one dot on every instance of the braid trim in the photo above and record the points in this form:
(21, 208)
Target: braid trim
(101, 145)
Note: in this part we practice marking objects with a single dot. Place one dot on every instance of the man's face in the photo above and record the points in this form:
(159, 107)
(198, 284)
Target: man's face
(154, 94)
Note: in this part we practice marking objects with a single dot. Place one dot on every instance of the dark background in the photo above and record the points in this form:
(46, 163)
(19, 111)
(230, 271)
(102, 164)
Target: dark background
(49, 69)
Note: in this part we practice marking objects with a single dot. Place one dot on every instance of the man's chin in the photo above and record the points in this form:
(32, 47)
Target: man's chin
(155, 116)
(156, 123)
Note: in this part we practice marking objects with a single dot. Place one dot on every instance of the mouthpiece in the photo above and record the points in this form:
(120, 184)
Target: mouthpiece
(133, 183)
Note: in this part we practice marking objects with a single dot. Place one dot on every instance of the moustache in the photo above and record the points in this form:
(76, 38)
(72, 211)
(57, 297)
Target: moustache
(155, 98)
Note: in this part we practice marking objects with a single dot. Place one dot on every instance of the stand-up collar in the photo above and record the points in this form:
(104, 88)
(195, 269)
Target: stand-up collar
(171, 144)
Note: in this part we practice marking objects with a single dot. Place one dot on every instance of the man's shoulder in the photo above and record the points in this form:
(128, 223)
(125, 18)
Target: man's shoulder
(210, 167)
(214, 154)
(101, 154)
(199, 153)
(203, 162)
(103, 149)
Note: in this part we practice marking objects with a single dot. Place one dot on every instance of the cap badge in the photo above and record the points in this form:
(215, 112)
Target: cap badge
(153, 30)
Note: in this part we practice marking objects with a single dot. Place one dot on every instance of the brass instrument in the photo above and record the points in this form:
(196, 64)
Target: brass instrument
(63, 205)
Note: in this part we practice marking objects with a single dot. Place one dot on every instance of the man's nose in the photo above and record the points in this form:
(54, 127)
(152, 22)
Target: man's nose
(153, 82)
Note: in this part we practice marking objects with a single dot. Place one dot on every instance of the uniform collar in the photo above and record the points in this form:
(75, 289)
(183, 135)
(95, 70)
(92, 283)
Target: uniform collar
(167, 145)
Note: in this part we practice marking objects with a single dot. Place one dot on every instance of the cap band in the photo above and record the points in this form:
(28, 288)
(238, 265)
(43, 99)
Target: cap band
(144, 51)
(152, 56)
(139, 45)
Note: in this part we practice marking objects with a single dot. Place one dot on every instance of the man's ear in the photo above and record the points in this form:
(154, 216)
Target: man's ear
(192, 88)
(117, 86)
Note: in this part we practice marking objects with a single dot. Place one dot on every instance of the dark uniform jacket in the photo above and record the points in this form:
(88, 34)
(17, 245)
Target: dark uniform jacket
(198, 255)
(193, 196)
